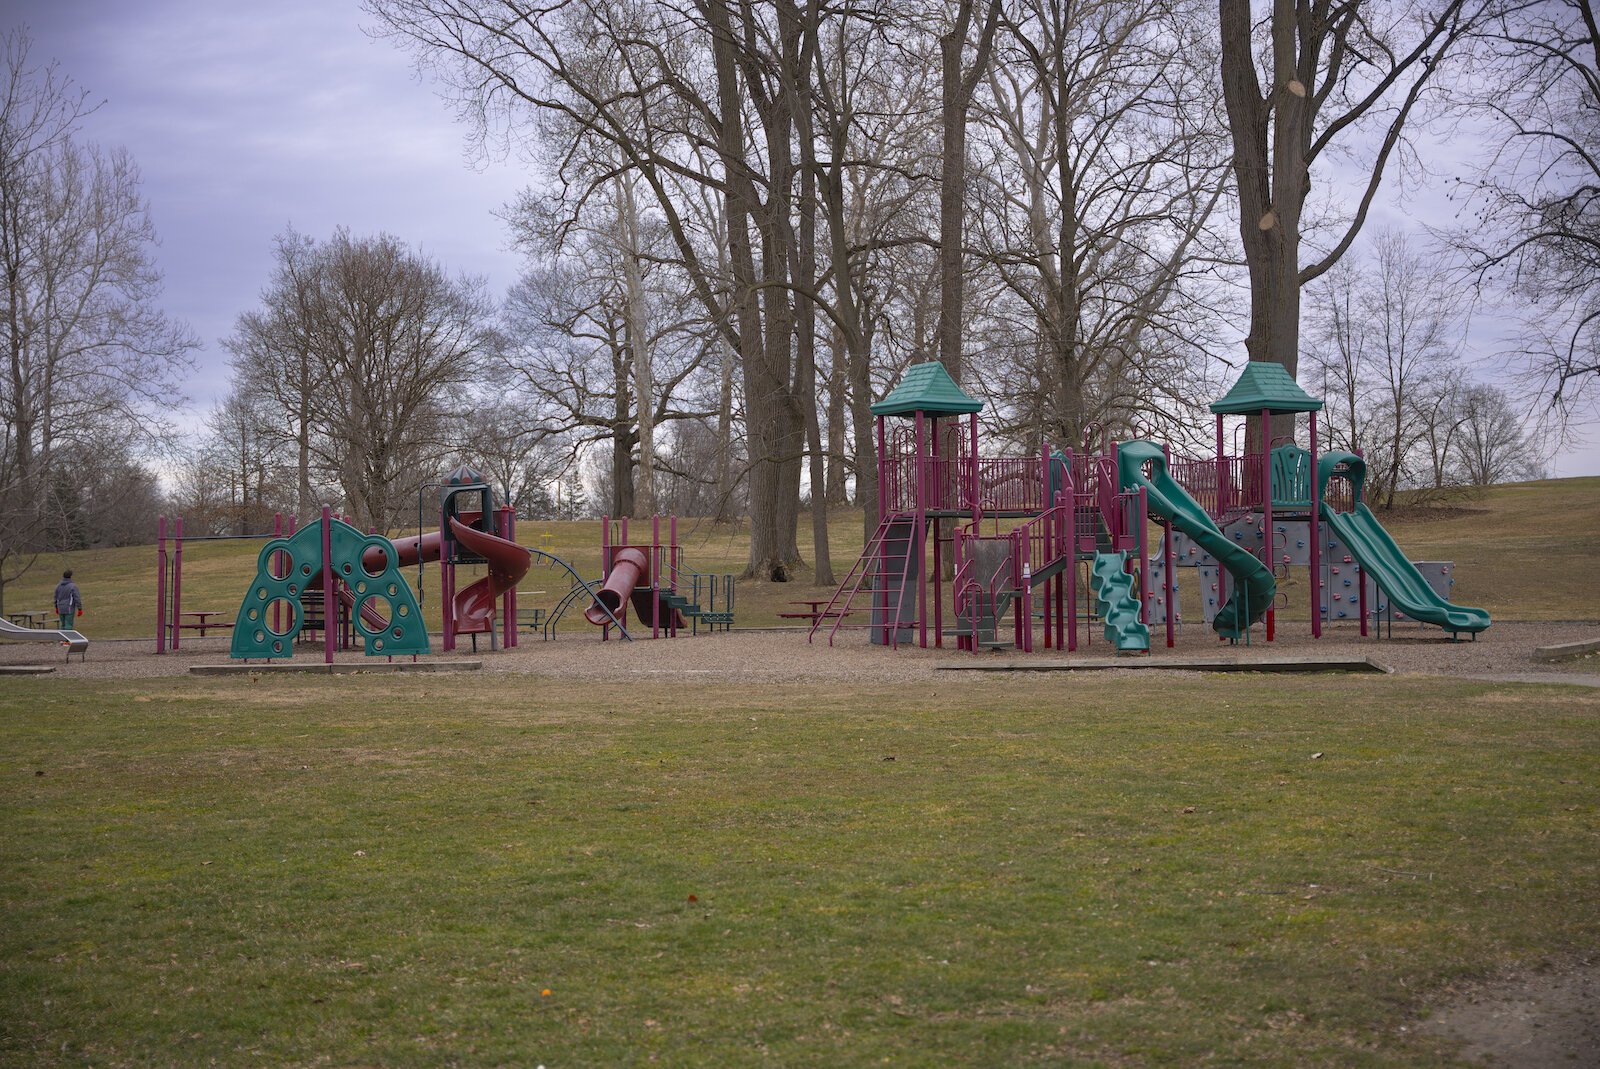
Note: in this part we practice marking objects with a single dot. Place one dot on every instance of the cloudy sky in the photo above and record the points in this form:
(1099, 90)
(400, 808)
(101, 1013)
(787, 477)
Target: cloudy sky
(248, 117)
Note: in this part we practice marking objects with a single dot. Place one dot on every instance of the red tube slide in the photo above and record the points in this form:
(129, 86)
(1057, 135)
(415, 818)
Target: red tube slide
(629, 568)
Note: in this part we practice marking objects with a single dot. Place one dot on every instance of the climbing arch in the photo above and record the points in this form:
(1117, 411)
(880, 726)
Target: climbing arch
(385, 611)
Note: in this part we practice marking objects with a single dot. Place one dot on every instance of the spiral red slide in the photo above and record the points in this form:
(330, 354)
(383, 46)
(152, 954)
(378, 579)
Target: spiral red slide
(474, 605)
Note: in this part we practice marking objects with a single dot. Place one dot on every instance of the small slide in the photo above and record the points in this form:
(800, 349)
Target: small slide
(1253, 585)
(1113, 590)
(1375, 550)
(10, 632)
(630, 578)
(474, 604)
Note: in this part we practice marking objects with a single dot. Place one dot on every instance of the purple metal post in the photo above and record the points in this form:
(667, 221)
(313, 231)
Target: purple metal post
(177, 582)
(1222, 473)
(1144, 557)
(1266, 506)
(1169, 581)
(1316, 537)
(508, 603)
(920, 535)
(275, 565)
(328, 611)
(655, 576)
(161, 584)
(605, 566)
(972, 472)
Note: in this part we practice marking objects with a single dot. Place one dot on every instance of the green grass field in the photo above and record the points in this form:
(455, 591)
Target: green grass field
(503, 871)
(1524, 552)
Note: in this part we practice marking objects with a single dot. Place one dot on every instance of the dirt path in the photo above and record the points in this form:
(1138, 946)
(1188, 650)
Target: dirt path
(1543, 1020)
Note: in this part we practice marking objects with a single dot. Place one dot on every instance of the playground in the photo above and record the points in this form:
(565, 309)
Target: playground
(636, 837)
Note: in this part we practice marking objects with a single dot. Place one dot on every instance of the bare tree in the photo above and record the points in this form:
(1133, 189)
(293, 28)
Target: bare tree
(1386, 347)
(88, 356)
(1338, 76)
(389, 340)
(1097, 192)
(1495, 443)
(1535, 230)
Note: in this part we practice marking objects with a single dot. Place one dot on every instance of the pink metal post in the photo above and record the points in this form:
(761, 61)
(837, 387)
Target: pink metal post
(1316, 537)
(508, 603)
(276, 567)
(1144, 557)
(920, 535)
(329, 613)
(161, 584)
(655, 575)
(1266, 504)
(1222, 473)
(972, 476)
(177, 582)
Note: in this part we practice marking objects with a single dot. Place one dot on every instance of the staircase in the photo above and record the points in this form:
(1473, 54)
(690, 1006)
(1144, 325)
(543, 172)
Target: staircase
(879, 584)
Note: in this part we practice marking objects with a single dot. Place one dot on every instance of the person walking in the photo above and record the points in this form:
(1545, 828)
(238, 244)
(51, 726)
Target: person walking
(69, 603)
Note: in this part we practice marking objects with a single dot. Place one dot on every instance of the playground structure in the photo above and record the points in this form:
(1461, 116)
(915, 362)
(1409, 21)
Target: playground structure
(1241, 521)
(650, 576)
(302, 569)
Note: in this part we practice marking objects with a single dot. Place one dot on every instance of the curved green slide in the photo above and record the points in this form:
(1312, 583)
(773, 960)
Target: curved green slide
(1380, 557)
(1253, 585)
(1113, 589)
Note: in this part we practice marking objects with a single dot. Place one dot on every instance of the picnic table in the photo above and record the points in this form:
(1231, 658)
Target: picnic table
(29, 617)
(203, 621)
(815, 610)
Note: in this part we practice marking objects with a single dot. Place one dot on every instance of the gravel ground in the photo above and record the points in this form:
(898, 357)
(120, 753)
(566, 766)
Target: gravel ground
(783, 656)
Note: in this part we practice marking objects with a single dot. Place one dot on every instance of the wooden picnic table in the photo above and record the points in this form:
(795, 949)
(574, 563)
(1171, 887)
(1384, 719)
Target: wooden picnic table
(29, 617)
(203, 616)
(815, 610)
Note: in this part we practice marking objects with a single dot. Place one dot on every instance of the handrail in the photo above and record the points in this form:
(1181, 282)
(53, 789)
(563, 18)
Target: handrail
(581, 581)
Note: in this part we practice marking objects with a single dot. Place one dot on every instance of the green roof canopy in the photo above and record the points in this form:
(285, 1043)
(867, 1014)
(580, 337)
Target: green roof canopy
(926, 388)
(1265, 385)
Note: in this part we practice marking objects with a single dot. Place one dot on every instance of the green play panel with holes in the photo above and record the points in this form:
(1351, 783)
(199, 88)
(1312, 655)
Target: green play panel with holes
(383, 607)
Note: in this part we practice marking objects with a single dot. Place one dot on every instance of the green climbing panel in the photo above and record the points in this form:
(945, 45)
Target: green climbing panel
(386, 613)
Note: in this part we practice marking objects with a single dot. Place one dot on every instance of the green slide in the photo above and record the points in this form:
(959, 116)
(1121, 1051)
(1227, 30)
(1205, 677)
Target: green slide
(1253, 585)
(1113, 589)
(1375, 550)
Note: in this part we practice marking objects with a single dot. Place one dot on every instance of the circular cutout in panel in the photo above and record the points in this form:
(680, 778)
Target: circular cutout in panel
(261, 593)
(377, 643)
(277, 646)
(399, 632)
(402, 609)
(288, 615)
(347, 569)
(274, 559)
(375, 554)
(260, 637)
(394, 591)
(372, 615)
(305, 569)
(361, 587)
(252, 614)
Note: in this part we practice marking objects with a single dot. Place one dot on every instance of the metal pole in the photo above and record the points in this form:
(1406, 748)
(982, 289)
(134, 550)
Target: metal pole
(1222, 473)
(1266, 506)
(276, 567)
(920, 536)
(1316, 537)
(177, 583)
(1144, 557)
(161, 584)
(508, 604)
(655, 576)
(328, 611)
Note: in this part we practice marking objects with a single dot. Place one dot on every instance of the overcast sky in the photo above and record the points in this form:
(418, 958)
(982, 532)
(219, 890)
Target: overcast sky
(248, 117)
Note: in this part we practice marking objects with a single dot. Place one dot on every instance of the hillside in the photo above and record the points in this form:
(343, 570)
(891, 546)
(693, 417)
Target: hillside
(1525, 551)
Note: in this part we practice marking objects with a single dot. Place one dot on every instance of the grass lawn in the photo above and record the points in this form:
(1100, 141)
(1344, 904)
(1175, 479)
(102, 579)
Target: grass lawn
(510, 871)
